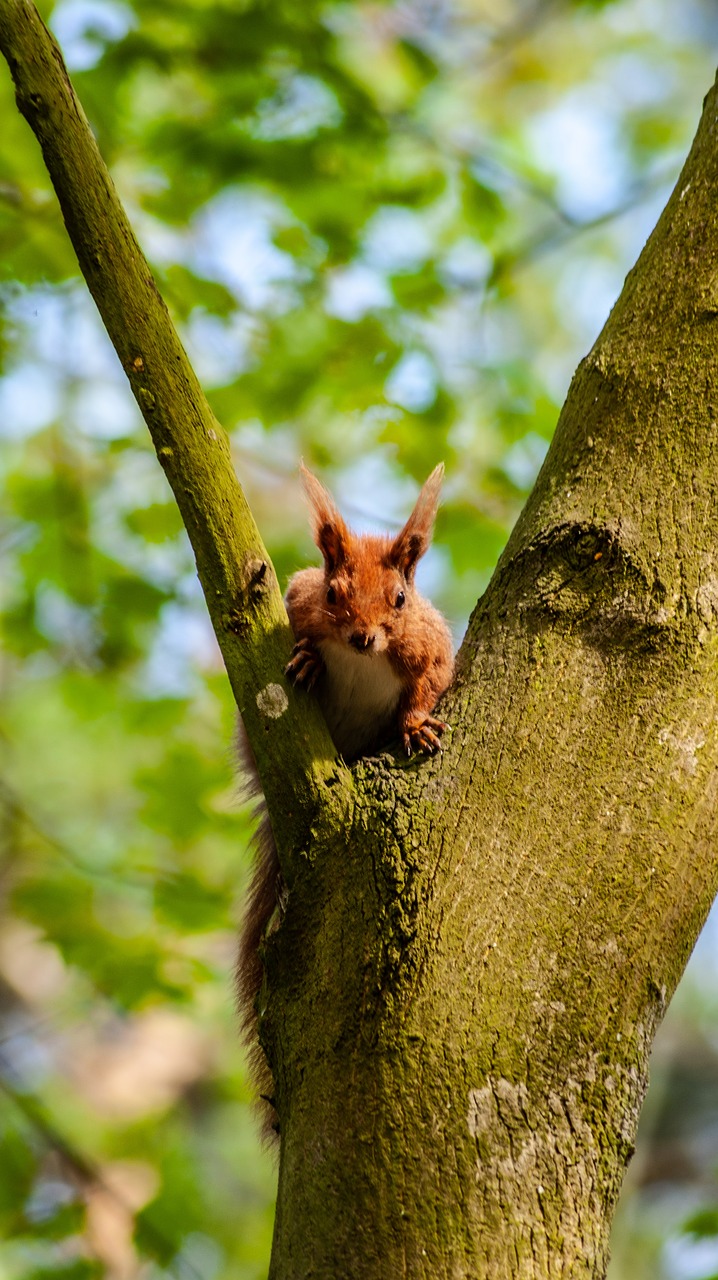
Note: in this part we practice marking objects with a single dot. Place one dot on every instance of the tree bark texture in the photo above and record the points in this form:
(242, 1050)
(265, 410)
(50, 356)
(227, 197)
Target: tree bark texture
(465, 988)
(462, 994)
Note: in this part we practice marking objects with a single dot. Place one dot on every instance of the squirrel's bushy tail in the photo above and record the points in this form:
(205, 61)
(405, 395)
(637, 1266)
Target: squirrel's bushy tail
(261, 905)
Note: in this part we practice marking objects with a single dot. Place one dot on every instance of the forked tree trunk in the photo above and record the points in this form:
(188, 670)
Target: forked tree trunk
(461, 997)
(464, 992)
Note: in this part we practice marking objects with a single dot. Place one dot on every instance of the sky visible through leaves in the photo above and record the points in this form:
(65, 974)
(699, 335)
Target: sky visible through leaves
(388, 233)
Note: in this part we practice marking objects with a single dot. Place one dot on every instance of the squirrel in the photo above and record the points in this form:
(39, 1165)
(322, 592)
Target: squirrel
(378, 657)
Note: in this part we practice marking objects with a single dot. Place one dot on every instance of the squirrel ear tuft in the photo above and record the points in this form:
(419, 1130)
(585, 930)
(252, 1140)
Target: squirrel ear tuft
(328, 529)
(409, 545)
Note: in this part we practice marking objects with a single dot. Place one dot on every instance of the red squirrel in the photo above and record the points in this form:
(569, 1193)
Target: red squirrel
(376, 655)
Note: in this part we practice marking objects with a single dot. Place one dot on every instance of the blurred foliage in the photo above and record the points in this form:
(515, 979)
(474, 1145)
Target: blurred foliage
(388, 233)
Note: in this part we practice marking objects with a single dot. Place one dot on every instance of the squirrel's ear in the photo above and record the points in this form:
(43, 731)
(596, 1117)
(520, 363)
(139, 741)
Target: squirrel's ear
(328, 529)
(409, 545)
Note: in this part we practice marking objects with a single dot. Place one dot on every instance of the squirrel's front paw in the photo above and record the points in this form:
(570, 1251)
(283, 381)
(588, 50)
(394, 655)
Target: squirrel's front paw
(422, 733)
(305, 665)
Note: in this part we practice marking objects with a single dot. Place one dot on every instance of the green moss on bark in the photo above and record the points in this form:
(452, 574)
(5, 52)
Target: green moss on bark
(294, 753)
(462, 993)
(496, 937)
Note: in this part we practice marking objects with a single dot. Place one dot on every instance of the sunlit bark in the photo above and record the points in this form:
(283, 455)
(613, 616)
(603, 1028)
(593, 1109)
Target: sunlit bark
(461, 996)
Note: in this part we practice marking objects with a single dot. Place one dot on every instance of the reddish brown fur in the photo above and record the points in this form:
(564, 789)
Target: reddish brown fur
(378, 656)
(261, 904)
(366, 575)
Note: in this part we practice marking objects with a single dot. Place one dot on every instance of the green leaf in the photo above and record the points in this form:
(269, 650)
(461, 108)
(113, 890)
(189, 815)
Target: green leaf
(79, 1269)
(157, 523)
(703, 1223)
(189, 904)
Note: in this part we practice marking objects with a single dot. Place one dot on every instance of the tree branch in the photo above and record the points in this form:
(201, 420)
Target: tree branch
(460, 1018)
(293, 750)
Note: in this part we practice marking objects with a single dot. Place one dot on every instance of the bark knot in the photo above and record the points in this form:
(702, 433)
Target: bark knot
(589, 576)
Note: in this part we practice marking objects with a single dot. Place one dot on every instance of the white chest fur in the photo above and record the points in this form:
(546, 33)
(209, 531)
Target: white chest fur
(359, 694)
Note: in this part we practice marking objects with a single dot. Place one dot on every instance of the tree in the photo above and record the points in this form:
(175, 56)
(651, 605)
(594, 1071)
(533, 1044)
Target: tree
(558, 940)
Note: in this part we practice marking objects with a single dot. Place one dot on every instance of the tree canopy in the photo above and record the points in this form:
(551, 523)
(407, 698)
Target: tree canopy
(387, 234)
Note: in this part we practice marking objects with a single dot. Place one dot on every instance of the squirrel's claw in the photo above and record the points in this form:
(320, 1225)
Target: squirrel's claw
(305, 665)
(424, 735)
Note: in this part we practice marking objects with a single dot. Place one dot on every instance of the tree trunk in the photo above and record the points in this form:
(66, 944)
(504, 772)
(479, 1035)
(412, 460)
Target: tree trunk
(461, 996)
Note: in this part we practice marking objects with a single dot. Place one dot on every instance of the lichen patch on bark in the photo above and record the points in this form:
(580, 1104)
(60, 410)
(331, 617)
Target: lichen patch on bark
(272, 701)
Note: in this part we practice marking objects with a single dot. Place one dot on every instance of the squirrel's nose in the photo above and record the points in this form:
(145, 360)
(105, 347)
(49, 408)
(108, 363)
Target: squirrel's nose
(361, 640)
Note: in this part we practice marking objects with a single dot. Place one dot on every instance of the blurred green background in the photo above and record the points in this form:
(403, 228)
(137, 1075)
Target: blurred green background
(388, 233)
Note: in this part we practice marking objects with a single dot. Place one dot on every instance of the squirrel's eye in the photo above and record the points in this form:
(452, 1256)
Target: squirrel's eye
(400, 599)
(331, 596)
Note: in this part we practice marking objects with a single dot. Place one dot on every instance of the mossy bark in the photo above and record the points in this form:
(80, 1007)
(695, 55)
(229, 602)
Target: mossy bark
(291, 744)
(462, 994)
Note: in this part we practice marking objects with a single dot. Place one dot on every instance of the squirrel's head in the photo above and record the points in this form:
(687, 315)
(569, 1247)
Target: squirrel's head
(369, 579)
